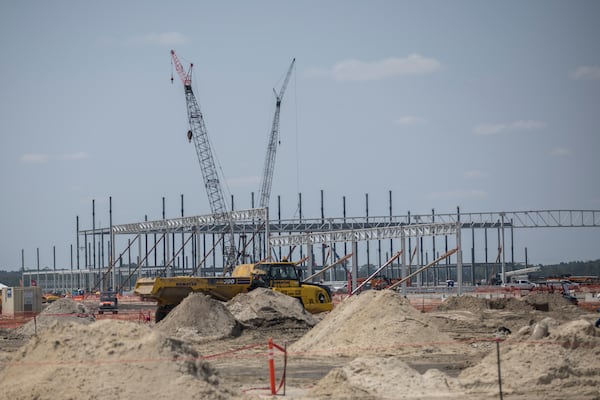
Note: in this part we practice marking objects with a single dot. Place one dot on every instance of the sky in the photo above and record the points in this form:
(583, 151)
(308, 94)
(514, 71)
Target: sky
(489, 106)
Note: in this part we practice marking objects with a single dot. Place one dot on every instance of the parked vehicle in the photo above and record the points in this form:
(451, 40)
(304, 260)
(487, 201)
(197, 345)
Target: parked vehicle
(282, 277)
(108, 303)
(521, 284)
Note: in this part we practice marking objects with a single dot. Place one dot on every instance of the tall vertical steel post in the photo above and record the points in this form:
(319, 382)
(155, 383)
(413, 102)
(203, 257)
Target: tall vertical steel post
(182, 241)
(354, 265)
(111, 245)
(391, 240)
(503, 252)
(94, 234)
(22, 267)
(367, 215)
(403, 269)
(459, 258)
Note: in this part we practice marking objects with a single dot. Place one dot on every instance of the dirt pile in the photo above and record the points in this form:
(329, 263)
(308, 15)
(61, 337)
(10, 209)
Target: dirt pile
(381, 321)
(565, 359)
(510, 304)
(477, 304)
(262, 308)
(61, 311)
(553, 302)
(108, 359)
(385, 378)
(199, 317)
(465, 302)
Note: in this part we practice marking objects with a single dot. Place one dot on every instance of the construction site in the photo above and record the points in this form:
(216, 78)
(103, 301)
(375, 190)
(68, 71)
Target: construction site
(242, 304)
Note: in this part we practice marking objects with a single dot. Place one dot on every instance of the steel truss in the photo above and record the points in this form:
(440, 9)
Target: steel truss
(204, 223)
(244, 220)
(377, 233)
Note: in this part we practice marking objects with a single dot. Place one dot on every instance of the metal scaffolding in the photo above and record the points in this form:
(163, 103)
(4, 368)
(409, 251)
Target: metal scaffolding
(190, 245)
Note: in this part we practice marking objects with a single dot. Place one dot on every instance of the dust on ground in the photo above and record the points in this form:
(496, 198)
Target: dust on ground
(371, 346)
(563, 363)
(370, 377)
(108, 359)
(467, 317)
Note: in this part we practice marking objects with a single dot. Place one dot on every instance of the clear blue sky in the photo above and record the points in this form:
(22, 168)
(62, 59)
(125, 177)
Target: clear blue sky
(489, 106)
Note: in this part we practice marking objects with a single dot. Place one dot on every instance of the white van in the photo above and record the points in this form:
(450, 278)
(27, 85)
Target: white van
(522, 284)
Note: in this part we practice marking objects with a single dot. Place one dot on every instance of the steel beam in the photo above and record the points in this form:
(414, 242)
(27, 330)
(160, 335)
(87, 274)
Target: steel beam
(356, 235)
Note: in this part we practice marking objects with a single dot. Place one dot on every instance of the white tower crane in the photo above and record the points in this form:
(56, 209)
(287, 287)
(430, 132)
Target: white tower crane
(267, 178)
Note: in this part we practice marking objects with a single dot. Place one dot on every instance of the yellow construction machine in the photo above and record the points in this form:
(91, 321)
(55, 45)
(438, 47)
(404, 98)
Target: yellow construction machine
(283, 277)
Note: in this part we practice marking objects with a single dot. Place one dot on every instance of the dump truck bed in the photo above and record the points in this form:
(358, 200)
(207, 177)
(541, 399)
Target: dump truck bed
(172, 290)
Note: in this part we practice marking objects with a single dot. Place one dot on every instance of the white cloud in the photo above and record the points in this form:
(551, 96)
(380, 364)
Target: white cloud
(357, 70)
(494, 129)
(586, 73)
(161, 39)
(458, 194)
(410, 120)
(560, 152)
(32, 158)
(40, 158)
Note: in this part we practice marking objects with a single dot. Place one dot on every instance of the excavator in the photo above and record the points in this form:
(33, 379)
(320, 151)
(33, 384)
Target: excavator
(283, 276)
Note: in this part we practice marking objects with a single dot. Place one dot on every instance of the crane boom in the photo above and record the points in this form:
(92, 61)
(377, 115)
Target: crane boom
(267, 178)
(199, 135)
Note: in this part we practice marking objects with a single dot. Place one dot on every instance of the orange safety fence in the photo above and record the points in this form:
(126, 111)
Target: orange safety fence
(20, 319)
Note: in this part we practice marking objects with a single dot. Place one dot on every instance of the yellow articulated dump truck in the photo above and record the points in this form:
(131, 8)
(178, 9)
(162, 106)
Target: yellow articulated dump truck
(280, 276)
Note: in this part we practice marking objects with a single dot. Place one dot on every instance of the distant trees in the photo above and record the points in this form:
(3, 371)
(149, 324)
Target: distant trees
(577, 268)
(10, 278)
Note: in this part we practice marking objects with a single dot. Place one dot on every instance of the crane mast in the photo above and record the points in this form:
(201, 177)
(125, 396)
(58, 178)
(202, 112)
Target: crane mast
(267, 177)
(199, 135)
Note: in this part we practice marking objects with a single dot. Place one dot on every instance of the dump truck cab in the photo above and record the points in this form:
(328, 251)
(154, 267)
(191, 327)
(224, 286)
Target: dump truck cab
(285, 277)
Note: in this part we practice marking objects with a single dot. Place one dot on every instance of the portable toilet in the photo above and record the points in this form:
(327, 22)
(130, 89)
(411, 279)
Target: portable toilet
(21, 300)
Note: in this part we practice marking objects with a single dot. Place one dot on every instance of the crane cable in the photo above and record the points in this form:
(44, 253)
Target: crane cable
(297, 212)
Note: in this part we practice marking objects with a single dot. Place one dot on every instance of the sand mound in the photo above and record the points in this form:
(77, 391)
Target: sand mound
(267, 308)
(565, 361)
(464, 302)
(552, 302)
(108, 359)
(510, 304)
(387, 378)
(199, 317)
(576, 334)
(65, 306)
(478, 304)
(381, 321)
(61, 311)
